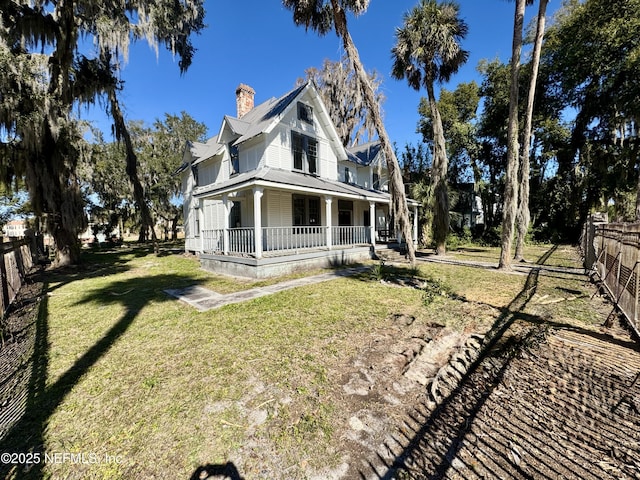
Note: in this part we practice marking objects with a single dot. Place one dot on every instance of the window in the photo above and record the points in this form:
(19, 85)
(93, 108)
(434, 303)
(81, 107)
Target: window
(306, 211)
(376, 181)
(347, 175)
(305, 113)
(194, 172)
(235, 219)
(196, 222)
(305, 153)
(234, 159)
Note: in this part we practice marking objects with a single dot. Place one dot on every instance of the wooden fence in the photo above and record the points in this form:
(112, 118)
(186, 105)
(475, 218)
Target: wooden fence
(16, 263)
(612, 252)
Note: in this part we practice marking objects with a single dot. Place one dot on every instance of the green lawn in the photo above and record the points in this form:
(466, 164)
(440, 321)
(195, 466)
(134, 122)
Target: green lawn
(124, 370)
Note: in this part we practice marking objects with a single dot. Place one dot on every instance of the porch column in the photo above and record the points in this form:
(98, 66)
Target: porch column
(415, 226)
(225, 231)
(257, 219)
(372, 219)
(327, 213)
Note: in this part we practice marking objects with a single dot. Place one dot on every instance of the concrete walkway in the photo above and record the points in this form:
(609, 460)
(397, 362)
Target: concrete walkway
(204, 299)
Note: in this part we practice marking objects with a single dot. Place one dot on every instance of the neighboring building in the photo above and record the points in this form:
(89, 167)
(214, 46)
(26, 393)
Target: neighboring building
(15, 228)
(276, 190)
(469, 206)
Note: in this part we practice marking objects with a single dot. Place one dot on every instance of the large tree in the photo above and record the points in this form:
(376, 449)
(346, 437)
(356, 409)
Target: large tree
(340, 92)
(323, 16)
(158, 150)
(168, 138)
(428, 51)
(523, 216)
(510, 200)
(47, 70)
(599, 80)
(458, 111)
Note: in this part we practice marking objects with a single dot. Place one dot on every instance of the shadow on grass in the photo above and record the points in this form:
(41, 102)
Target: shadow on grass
(26, 435)
(228, 471)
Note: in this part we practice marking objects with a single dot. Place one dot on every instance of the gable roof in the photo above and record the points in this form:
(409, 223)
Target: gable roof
(365, 153)
(196, 152)
(262, 119)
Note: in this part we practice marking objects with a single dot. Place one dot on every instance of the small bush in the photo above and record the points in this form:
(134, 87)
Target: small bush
(379, 270)
(434, 288)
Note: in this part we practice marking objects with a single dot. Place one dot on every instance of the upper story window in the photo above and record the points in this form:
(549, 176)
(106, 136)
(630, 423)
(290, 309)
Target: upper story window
(234, 159)
(194, 172)
(376, 181)
(347, 175)
(305, 153)
(305, 113)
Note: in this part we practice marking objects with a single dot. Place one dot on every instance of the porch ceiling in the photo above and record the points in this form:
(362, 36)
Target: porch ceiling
(292, 181)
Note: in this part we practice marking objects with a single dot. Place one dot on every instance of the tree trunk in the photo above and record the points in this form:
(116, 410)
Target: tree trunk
(132, 167)
(174, 227)
(439, 177)
(67, 247)
(396, 186)
(511, 178)
(524, 216)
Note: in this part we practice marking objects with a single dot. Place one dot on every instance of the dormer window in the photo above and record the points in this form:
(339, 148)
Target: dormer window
(305, 113)
(305, 153)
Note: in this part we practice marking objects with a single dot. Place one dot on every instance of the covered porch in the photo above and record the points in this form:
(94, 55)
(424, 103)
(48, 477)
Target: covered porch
(288, 218)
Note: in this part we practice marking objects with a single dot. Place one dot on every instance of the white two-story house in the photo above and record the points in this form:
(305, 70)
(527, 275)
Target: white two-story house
(275, 190)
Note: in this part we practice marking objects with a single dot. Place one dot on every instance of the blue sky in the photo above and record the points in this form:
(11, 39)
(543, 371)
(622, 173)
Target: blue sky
(256, 42)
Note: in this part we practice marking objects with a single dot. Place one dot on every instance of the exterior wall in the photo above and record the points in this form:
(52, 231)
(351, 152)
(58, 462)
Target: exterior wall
(278, 143)
(363, 175)
(252, 154)
(279, 209)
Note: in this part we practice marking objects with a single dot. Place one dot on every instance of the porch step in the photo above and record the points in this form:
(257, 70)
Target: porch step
(392, 253)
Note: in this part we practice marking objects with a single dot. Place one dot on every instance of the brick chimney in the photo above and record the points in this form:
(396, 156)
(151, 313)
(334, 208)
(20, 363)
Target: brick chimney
(244, 99)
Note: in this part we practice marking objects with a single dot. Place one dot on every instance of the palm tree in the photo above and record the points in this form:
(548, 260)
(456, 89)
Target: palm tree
(511, 177)
(427, 51)
(323, 16)
(523, 217)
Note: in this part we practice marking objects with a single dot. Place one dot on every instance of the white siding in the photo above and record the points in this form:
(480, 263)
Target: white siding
(279, 209)
(278, 142)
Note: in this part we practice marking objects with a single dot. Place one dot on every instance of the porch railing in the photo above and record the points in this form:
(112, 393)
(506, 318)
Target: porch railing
(276, 240)
(293, 238)
(213, 241)
(241, 241)
(350, 235)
